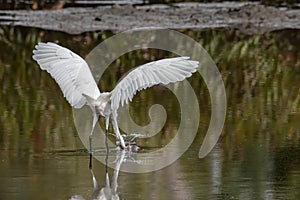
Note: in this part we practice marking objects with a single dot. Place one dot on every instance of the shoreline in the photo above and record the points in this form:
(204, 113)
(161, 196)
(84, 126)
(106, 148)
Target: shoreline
(249, 18)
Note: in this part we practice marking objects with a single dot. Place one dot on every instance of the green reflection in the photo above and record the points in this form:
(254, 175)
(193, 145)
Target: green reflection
(258, 152)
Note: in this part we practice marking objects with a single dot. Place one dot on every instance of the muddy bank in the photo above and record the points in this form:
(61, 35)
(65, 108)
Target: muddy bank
(251, 18)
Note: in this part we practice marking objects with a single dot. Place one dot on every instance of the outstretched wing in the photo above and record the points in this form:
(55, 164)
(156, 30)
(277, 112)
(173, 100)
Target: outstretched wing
(69, 70)
(163, 71)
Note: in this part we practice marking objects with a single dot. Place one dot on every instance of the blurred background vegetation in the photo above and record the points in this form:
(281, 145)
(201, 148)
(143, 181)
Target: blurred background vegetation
(260, 72)
(261, 136)
(260, 140)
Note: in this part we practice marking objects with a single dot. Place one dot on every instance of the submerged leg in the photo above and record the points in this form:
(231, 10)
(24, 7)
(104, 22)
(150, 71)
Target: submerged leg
(117, 132)
(91, 161)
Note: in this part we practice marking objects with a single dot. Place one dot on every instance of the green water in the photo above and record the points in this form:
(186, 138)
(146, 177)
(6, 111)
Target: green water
(257, 156)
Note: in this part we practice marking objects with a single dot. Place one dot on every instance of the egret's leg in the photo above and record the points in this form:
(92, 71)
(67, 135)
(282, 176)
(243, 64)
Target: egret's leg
(117, 132)
(95, 120)
(91, 163)
(107, 149)
(106, 134)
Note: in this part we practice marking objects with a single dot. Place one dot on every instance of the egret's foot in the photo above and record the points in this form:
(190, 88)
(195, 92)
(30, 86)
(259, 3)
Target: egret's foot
(128, 141)
(133, 148)
(121, 144)
(130, 147)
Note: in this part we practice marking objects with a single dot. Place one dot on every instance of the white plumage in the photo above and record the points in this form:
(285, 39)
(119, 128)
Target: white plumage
(158, 72)
(76, 81)
(69, 70)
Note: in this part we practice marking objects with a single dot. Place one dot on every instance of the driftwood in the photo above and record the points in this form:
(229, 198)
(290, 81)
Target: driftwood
(251, 18)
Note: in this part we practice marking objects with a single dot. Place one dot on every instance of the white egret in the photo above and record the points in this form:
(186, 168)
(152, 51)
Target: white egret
(76, 81)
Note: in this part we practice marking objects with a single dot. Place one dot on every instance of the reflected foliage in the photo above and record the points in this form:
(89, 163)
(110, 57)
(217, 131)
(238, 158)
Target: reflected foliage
(261, 76)
(261, 135)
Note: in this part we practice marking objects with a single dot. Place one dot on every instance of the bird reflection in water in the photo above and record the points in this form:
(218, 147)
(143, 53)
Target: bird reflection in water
(109, 191)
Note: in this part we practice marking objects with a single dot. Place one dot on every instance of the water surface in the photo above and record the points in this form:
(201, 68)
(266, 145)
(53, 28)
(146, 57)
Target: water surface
(257, 157)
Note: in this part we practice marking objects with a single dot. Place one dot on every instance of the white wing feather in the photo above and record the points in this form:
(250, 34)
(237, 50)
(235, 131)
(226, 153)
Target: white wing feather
(163, 71)
(69, 70)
